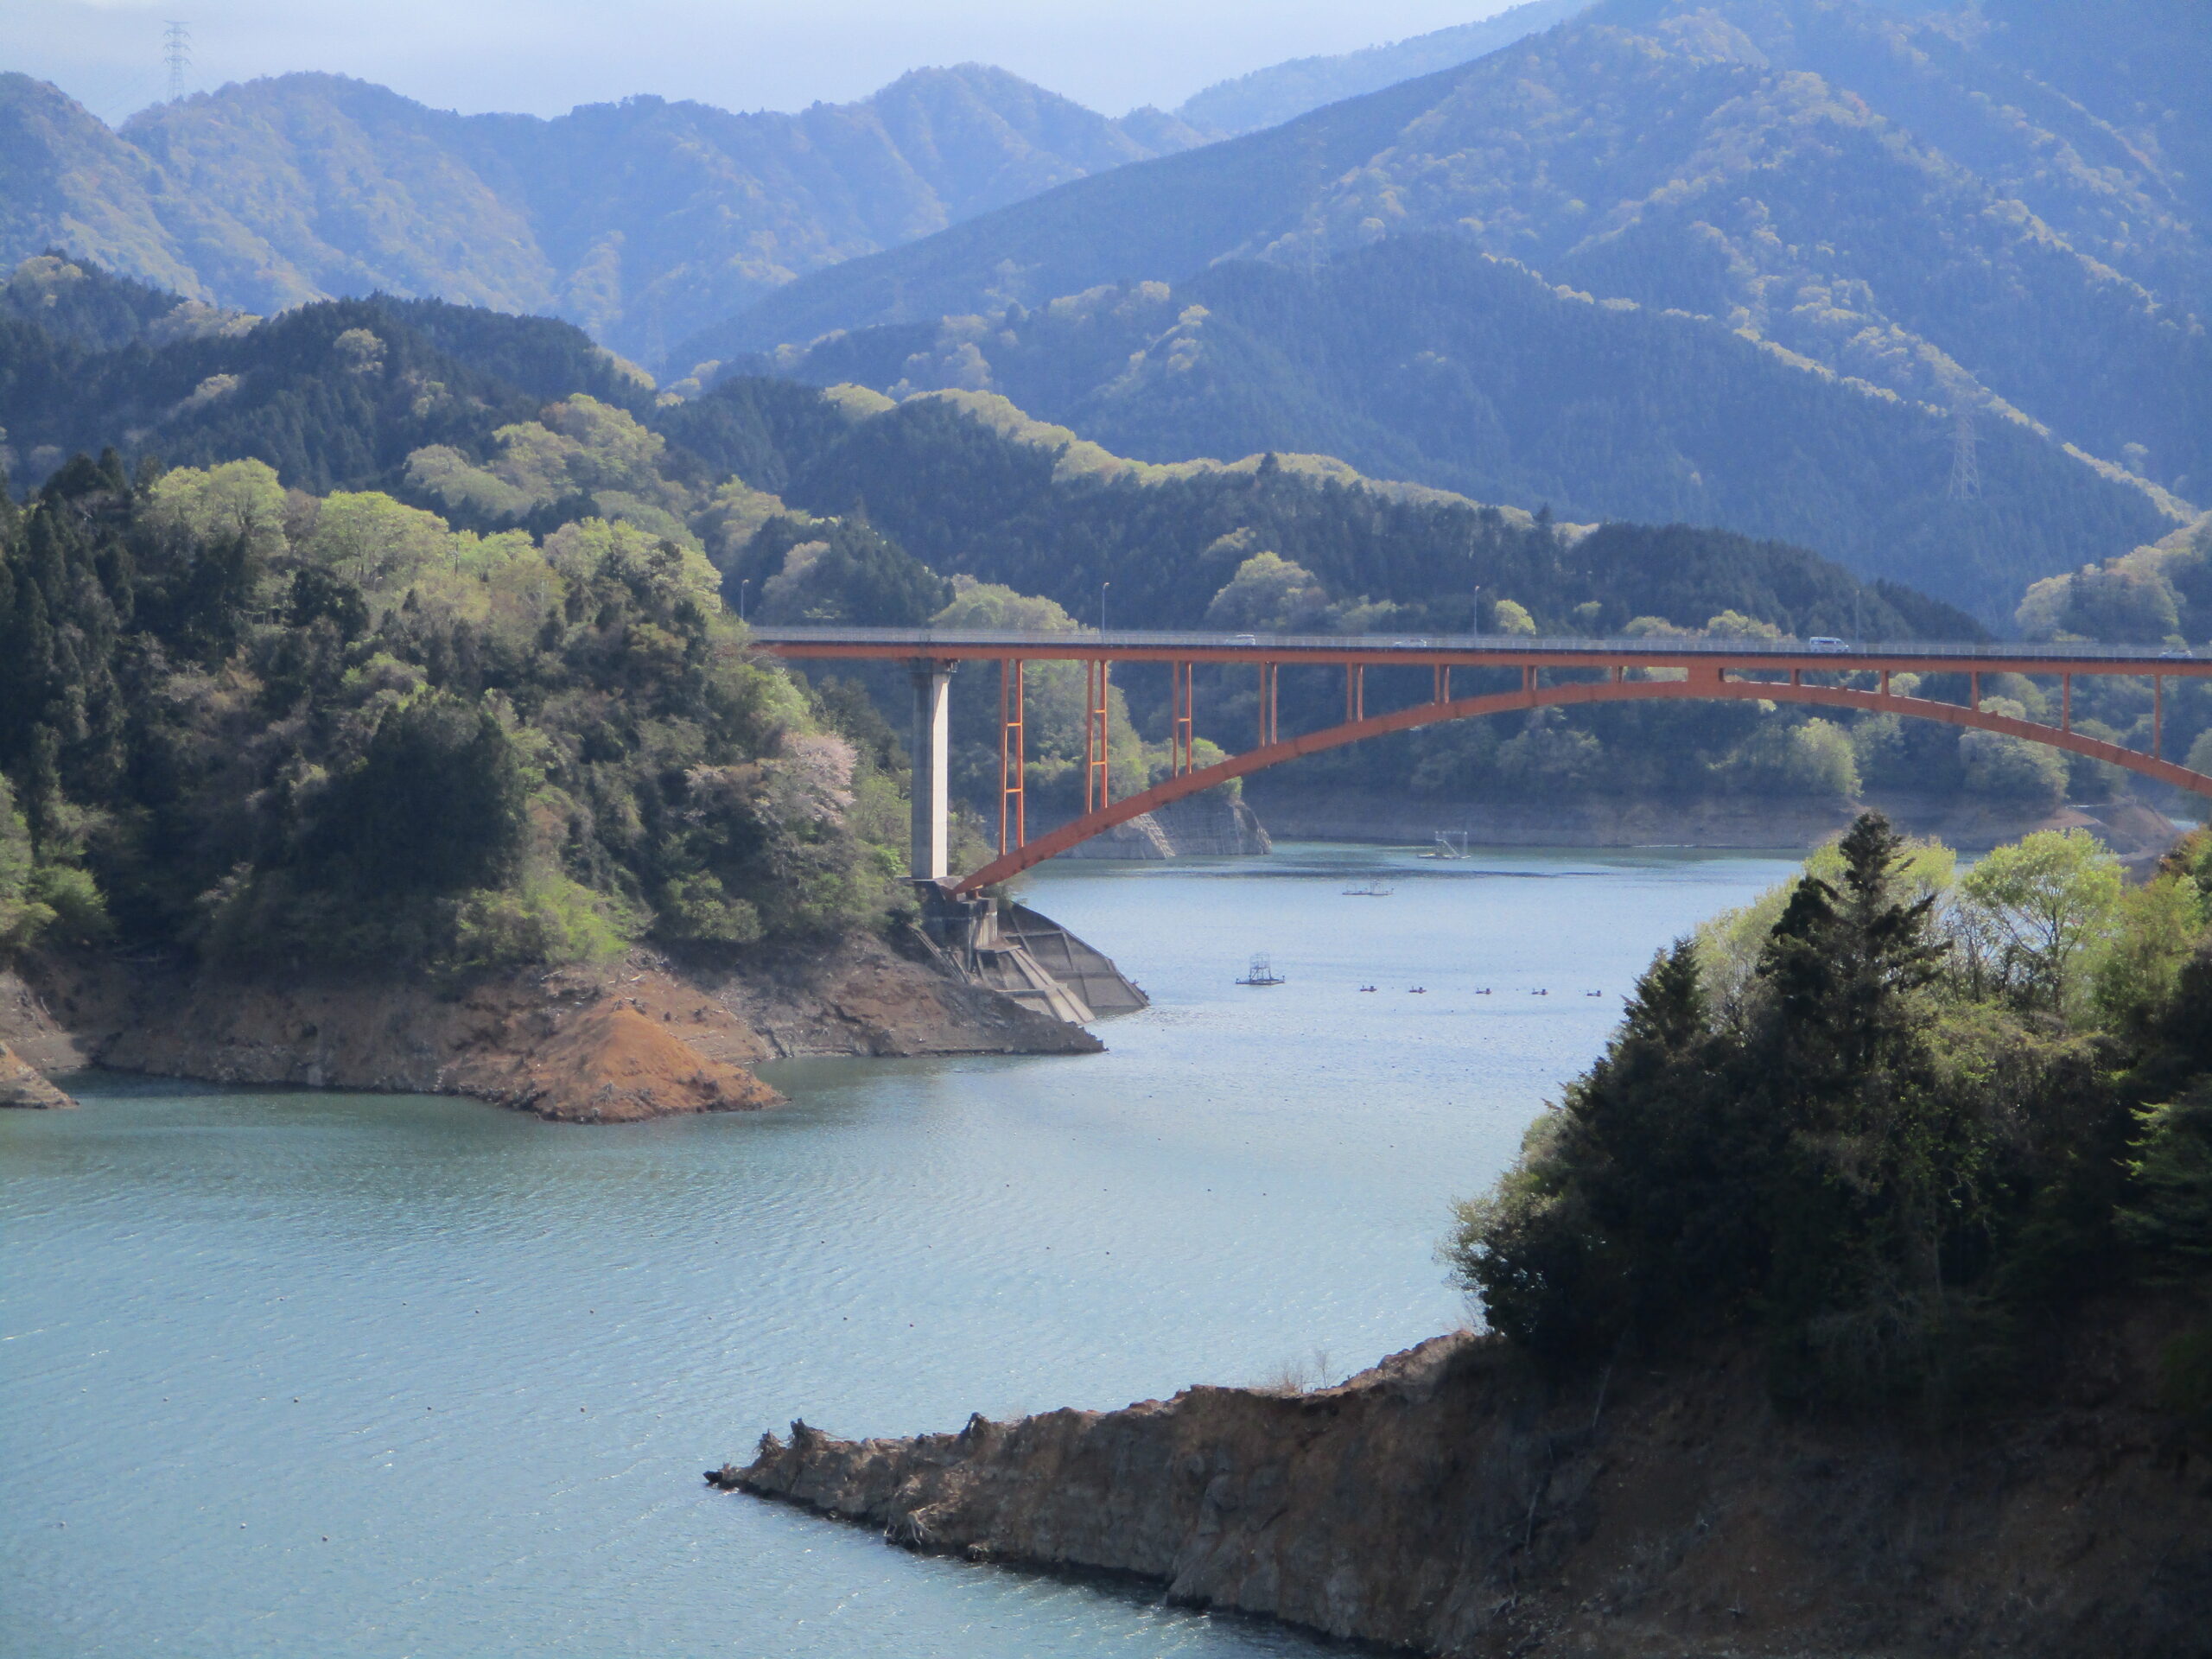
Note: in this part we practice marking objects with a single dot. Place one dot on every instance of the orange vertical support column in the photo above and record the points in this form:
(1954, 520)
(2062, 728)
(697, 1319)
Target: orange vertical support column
(2066, 703)
(1090, 731)
(2158, 712)
(1268, 730)
(1014, 817)
(1097, 739)
(1182, 746)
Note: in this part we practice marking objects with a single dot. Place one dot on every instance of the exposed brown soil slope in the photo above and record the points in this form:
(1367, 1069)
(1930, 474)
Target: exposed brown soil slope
(1447, 1502)
(640, 1040)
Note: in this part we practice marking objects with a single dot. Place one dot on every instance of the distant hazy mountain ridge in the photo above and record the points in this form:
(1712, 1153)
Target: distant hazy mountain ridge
(2004, 212)
(1993, 218)
(642, 220)
(1269, 97)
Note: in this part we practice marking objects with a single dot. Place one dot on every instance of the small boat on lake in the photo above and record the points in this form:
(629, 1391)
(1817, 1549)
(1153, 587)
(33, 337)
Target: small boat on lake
(1262, 972)
(1368, 890)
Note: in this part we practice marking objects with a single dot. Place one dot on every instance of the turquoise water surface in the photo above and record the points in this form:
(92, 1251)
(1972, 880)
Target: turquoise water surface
(293, 1373)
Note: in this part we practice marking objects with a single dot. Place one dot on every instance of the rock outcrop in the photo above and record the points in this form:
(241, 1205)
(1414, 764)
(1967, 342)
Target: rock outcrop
(1449, 1502)
(643, 1039)
(1215, 825)
(21, 1085)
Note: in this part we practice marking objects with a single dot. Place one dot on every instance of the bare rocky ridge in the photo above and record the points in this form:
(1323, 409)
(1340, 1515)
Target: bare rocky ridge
(1449, 1502)
(640, 1040)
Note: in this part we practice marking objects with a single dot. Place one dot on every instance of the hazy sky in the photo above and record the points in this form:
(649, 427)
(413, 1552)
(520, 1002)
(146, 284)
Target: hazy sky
(548, 55)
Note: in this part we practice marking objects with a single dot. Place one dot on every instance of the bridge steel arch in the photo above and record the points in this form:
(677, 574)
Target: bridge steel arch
(1685, 669)
(1711, 685)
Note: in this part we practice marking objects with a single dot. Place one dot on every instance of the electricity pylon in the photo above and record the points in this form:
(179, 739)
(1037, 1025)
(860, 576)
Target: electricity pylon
(176, 51)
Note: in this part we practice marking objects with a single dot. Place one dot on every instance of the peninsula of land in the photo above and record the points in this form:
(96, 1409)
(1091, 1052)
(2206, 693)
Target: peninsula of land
(1449, 1501)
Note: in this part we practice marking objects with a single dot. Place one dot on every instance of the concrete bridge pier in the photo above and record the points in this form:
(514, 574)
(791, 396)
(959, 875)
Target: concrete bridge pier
(929, 748)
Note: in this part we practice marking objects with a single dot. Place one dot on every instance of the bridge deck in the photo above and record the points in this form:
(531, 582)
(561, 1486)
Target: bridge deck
(1584, 670)
(1472, 650)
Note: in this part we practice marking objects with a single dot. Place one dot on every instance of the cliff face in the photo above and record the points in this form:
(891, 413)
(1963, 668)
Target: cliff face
(1449, 1502)
(640, 1040)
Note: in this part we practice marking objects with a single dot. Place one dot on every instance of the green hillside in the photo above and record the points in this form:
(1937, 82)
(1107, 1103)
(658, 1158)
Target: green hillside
(642, 220)
(280, 730)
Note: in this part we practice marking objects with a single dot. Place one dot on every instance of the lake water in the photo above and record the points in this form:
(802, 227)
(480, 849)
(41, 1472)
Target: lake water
(287, 1373)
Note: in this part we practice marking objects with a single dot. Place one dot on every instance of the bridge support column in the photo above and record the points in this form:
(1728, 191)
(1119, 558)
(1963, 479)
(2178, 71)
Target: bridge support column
(1014, 751)
(1098, 736)
(1182, 737)
(929, 748)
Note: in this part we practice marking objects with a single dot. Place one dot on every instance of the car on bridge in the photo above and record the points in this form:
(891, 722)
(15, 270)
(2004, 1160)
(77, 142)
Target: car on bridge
(1828, 642)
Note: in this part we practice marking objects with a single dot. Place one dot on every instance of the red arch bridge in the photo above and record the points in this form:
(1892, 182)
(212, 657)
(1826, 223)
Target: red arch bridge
(1551, 673)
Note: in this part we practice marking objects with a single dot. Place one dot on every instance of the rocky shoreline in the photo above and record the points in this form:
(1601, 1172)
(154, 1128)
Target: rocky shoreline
(643, 1038)
(1450, 1501)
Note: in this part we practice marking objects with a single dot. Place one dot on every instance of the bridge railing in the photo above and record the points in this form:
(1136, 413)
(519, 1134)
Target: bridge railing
(1089, 640)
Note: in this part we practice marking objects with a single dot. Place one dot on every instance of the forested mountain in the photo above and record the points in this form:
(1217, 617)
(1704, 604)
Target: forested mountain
(1269, 97)
(1996, 217)
(642, 220)
(1423, 358)
(446, 406)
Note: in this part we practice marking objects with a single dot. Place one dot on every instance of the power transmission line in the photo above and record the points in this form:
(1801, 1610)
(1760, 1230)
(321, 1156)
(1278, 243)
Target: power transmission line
(177, 53)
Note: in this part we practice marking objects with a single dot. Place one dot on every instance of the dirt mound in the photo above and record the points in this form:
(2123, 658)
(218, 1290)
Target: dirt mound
(609, 1063)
